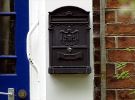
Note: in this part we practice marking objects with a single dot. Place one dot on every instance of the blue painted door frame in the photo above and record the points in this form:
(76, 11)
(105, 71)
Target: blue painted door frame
(20, 80)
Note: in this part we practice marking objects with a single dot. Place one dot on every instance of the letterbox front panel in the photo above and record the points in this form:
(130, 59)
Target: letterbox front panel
(69, 41)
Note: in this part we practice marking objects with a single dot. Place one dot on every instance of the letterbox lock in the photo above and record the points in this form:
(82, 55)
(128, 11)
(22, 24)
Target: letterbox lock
(22, 94)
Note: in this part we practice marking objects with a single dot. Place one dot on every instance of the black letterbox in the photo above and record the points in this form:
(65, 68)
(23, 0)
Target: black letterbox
(69, 47)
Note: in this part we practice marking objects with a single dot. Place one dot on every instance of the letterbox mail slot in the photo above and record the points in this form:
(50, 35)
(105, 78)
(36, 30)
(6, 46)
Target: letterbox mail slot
(69, 37)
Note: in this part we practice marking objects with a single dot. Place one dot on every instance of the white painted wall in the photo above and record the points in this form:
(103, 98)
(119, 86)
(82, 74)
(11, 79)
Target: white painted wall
(42, 84)
(37, 50)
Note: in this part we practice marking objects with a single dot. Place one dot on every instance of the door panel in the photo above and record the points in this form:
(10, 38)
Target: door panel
(14, 67)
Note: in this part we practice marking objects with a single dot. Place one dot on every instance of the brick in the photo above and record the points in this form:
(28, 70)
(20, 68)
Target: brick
(97, 82)
(129, 67)
(111, 95)
(110, 69)
(121, 56)
(97, 69)
(110, 42)
(97, 42)
(113, 83)
(125, 95)
(117, 3)
(112, 3)
(97, 55)
(125, 17)
(96, 4)
(96, 30)
(120, 29)
(109, 16)
(96, 17)
(126, 42)
(97, 94)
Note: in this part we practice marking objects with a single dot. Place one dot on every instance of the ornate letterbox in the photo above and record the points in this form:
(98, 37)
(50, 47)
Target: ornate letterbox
(69, 37)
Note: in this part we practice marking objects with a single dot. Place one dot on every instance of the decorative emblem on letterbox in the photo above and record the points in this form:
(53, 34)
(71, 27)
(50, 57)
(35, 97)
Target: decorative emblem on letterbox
(68, 13)
(69, 37)
(69, 49)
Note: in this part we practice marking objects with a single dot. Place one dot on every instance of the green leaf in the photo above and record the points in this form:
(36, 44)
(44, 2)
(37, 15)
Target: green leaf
(123, 75)
(123, 1)
(132, 92)
(130, 49)
(120, 65)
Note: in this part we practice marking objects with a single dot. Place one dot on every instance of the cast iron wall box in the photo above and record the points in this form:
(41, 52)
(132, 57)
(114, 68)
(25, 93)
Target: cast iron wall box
(69, 41)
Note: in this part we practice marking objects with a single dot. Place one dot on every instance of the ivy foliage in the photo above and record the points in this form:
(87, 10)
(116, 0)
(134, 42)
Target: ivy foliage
(123, 1)
(132, 92)
(122, 74)
(130, 49)
(120, 65)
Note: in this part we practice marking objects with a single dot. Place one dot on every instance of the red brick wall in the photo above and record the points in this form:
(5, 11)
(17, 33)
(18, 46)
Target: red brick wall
(120, 35)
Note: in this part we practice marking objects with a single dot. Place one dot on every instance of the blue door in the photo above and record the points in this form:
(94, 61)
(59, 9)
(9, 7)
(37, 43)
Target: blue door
(14, 68)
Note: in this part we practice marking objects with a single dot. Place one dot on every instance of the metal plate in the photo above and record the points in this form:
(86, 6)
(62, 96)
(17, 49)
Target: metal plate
(11, 97)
